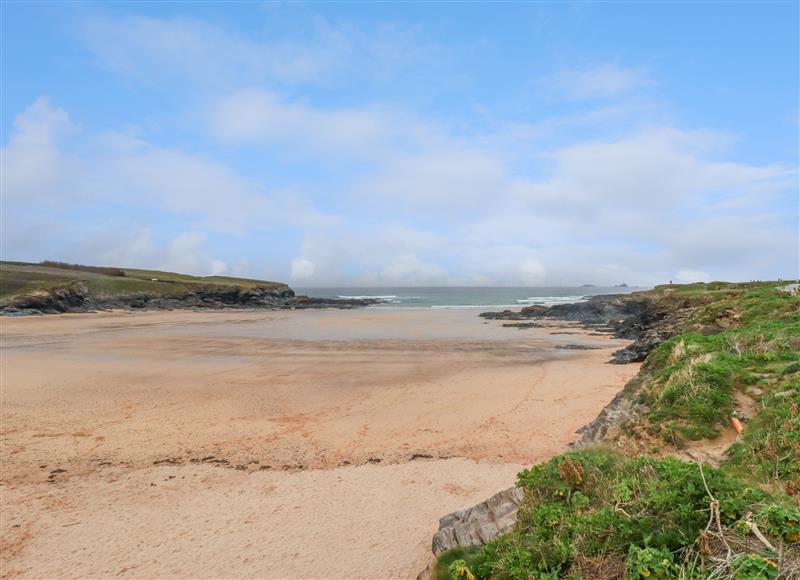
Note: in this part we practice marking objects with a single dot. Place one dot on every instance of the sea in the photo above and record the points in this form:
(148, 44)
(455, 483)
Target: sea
(467, 297)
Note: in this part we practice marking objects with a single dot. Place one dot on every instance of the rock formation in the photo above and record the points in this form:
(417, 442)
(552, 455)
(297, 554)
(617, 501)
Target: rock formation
(76, 297)
(637, 317)
(479, 524)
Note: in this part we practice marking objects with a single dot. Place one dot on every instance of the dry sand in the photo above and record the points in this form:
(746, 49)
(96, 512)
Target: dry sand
(272, 444)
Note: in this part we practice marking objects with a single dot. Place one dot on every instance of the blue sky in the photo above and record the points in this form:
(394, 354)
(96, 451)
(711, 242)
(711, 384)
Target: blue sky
(406, 143)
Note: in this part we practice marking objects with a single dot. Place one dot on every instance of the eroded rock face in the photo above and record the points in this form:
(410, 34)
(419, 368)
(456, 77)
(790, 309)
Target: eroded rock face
(77, 298)
(479, 524)
(618, 411)
(635, 317)
(52, 300)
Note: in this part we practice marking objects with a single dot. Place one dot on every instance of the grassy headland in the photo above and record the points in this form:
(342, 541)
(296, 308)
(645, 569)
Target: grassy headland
(18, 278)
(52, 287)
(641, 503)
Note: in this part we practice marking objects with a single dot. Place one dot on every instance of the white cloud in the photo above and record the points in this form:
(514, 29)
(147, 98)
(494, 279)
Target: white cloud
(34, 170)
(532, 272)
(292, 45)
(423, 205)
(182, 253)
(451, 178)
(409, 270)
(130, 171)
(254, 116)
(151, 49)
(690, 276)
(122, 171)
(104, 245)
(188, 184)
(122, 250)
(218, 267)
(303, 270)
(599, 82)
(586, 195)
(653, 172)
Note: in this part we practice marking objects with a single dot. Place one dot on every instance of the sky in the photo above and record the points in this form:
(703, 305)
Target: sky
(405, 144)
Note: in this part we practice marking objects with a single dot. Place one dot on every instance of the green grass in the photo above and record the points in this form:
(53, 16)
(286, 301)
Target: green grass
(770, 446)
(18, 278)
(587, 514)
(691, 381)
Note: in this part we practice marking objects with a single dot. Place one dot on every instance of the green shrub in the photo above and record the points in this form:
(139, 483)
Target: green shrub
(783, 522)
(647, 562)
(441, 569)
(753, 567)
(459, 570)
(594, 503)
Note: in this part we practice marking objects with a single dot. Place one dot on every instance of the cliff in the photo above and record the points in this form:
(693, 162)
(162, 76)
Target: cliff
(53, 287)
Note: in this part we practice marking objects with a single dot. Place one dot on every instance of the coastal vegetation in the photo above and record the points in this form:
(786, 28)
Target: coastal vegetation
(647, 501)
(53, 287)
(19, 278)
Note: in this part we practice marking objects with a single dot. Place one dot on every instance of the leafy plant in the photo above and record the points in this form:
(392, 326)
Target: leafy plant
(459, 570)
(753, 567)
(651, 562)
(783, 521)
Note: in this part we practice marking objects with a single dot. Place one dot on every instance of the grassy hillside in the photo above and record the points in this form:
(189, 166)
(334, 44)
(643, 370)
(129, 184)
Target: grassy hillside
(638, 506)
(18, 278)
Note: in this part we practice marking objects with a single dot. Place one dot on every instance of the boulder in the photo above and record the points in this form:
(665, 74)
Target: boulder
(480, 523)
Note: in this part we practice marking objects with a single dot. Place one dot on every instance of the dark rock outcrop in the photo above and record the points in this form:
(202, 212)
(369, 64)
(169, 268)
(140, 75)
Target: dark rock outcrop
(54, 300)
(504, 315)
(636, 317)
(77, 298)
(621, 408)
(577, 347)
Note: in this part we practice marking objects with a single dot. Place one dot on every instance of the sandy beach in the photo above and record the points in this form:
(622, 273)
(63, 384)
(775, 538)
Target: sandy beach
(272, 444)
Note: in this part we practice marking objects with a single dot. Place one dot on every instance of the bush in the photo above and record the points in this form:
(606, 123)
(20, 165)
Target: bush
(442, 569)
(596, 503)
(753, 567)
(647, 562)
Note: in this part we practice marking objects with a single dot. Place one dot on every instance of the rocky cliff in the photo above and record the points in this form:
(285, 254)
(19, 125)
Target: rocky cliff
(78, 298)
(645, 319)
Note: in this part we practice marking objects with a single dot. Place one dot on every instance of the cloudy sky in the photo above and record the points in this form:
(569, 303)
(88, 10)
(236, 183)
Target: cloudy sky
(405, 144)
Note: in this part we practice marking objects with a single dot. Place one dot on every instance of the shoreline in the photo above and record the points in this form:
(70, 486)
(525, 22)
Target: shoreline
(301, 391)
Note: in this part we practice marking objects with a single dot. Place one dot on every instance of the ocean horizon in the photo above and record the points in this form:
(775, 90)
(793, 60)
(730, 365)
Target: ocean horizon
(466, 296)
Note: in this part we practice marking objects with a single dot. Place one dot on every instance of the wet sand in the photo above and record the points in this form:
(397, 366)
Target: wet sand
(272, 444)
